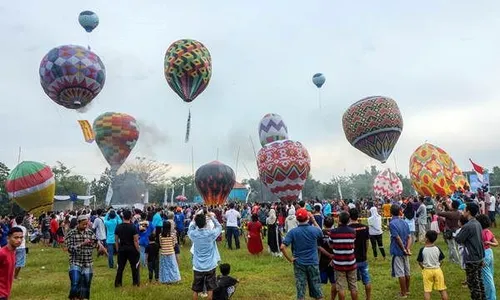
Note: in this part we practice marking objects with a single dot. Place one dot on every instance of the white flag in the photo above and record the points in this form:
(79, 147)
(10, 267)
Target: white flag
(165, 197)
(146, 197)
(183, 190)
(172, 197)
(109, 195)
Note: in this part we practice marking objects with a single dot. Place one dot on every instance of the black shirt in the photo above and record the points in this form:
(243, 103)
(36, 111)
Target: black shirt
(125, 233)
(324, 261)
(362, 237)
(152, 251)
(225, 287)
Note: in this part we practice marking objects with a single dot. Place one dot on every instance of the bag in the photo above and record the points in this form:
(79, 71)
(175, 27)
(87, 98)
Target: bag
(448, 234)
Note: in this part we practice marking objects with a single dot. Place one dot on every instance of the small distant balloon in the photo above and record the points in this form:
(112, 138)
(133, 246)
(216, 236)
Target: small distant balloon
(88, 20)
(319, 79)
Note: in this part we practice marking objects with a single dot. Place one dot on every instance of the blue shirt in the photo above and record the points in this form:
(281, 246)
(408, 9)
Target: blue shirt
(157, 220)
(205, 256)
(144, 236)
(399, 228)
(304, 241)
(327, 209)
(3, 238)
(179, 221)
(110, 225)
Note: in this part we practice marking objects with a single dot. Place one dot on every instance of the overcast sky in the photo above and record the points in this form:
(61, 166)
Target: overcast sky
(438, 59)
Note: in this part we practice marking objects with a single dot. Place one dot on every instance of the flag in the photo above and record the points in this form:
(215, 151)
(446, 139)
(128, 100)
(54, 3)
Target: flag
(172, 197)
(183, 190)
(88, 133)
(479, 171)
(109, 195)
(340, 190)
(165, 197)
(146, 197)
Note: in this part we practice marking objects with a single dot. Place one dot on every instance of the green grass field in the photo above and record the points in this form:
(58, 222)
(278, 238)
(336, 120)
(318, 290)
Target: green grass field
(261, 277)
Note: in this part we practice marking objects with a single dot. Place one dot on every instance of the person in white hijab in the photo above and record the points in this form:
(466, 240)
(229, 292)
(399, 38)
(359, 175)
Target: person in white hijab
(375, 231)
(273, 235)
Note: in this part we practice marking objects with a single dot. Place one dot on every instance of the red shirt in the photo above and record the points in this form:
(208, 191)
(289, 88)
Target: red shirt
(54, 225)
(7, 265)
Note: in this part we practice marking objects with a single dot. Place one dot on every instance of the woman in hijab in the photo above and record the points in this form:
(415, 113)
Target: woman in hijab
(273, 235)
(375, 231)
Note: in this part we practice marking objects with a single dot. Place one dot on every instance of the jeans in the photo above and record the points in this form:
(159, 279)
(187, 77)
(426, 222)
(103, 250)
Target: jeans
(143, 255)
(233, 231)
(111, 252)
(132, 256)
(80, 279)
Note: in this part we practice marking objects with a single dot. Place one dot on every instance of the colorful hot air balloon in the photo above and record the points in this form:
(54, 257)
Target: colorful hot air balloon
(318, 80)
(283, 167)
(433, 172)
(373, 126)
(116, 135)
(31, 185)
(72, 76)
(271, 129)
(188, 68)
(88, 20)
(387, 184)
(214, 181)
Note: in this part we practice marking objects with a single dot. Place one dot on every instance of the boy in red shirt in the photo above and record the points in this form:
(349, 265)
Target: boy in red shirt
(8, 261)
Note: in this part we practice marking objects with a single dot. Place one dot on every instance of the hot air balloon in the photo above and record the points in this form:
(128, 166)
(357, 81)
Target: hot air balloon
(214, 181)
(318, 80)
(116, 135)
(31, 185)
(373, 126)
(283, 167)
(88, 20)
(387, 184)
(433, 172)
(72, 76)
(188, 68)
(271, 129)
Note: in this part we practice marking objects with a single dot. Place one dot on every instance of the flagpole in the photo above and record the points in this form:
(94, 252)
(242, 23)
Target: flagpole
(255, 154)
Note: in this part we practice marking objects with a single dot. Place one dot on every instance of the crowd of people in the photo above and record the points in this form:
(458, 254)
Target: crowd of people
(328, 242)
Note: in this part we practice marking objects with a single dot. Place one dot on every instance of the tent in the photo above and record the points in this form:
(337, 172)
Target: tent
(65, 202)
(239, 192)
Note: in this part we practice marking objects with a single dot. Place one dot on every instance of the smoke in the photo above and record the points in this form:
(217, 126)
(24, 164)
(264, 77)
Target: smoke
(150, 138)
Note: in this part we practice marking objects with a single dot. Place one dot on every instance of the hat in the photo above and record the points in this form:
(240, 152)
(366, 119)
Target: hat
(302, 214)
(179, 209)
(82, 218)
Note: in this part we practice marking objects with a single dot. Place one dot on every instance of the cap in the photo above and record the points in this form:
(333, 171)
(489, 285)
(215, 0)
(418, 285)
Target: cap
(302, 214)
(179, 209)
(82, 218)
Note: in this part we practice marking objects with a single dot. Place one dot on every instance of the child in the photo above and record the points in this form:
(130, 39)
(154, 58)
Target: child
(430, 258)
(152, 257)
(434, 222)
(489, 241)
(226, 284)
(169, 270)
(326, 272)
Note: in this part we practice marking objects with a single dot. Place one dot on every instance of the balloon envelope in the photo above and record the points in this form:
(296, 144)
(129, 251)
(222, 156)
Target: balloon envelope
(283, 167)
(188, 68)
(214, 181)
(319, 79)
(433, 172)
(116, 135)
(373, 126)
(271, 129)
(72, 76)
(31, 185)
(88, 20)
(387, 184)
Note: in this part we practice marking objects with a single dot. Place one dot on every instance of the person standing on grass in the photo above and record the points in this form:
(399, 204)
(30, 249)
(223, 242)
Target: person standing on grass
(127, 243)
(489, 241)
(304, 242)
(375, 231)
(169, 270)
(429, 258)
(470, 237)
(205, 253)
(15, 237)
(99, 228)
(111, 221)
(344, 259)
(232, 216)
(360, 250)
(452, 216)
(400, 239)
(21, 250)
(422, 220)
(54, 225)
(80, 241)
(153, 258)
(326, 272)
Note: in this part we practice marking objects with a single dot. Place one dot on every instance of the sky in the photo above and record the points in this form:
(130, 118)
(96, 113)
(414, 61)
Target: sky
(438, 59)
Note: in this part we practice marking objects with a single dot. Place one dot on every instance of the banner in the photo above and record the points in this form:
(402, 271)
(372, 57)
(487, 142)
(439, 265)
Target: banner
(475, 183)
(88, 133)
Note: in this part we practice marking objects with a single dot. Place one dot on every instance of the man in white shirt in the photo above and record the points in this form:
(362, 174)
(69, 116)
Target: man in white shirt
(99, 227)
(232, 228)
(492, 210)
(21, 250)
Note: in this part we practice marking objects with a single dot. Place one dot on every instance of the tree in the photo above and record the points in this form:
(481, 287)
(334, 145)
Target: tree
(312, 189)
(177, 184)
(151, 172)
(99, 188)
(259, 192)
(67, 184)
(4, 197)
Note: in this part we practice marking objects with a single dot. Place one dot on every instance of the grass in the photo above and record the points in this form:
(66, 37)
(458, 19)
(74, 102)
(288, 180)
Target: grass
(261, 277)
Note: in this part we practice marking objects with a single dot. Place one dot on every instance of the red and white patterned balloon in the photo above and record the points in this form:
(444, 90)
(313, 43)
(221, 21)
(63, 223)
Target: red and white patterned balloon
(387, 184)
(283, 167)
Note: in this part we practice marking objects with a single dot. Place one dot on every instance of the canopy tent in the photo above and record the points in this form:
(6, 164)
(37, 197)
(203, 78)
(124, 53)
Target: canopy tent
(239, 192)
(65, 202)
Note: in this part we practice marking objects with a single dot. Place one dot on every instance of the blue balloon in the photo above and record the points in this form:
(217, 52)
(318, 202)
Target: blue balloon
(89, 20)
(319, 79)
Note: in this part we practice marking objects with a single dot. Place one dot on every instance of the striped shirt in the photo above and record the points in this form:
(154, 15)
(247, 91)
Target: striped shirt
(342, 242)
(167, 245)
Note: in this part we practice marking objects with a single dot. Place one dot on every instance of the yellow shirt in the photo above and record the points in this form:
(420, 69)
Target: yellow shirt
(387, 210)
(167, 245)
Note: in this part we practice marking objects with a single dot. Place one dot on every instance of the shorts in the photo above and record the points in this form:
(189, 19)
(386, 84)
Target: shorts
(492, 215)
(326, 275)
(20, 257)
(346, 279)
(307, 275)
(46, 235)
(201, 279)
(433, 279)
(400, 266)
(177, 250)
(363, 273)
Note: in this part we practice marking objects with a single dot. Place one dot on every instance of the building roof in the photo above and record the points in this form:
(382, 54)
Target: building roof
(238, 185)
